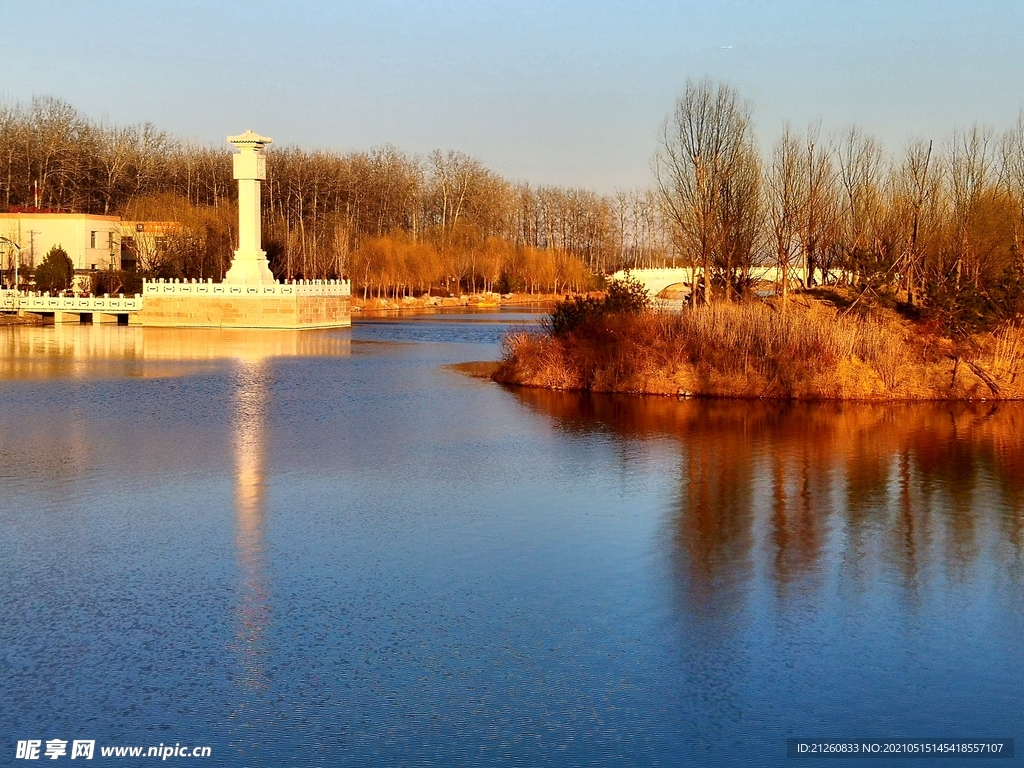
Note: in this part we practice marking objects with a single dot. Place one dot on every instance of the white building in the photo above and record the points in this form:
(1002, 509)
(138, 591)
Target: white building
(92, 242)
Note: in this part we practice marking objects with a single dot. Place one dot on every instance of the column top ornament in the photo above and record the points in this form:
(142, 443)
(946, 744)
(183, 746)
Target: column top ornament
(249, 139)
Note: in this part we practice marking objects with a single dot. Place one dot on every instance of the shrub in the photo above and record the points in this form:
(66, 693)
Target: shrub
(115, 281)
(961, 310)
(624, 297)
(55, 272)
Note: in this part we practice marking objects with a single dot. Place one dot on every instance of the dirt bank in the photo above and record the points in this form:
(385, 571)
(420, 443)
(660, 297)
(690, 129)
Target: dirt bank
(12, 319)
(467, 301)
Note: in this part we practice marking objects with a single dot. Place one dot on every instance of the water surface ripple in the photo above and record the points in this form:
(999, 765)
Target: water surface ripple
(329, 548)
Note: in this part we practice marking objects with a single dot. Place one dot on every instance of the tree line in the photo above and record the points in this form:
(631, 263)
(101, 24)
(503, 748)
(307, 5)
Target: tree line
(937, 226)
(395, 223)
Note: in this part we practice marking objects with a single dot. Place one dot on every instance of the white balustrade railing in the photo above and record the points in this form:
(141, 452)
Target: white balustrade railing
(209, 288)
(41, 302)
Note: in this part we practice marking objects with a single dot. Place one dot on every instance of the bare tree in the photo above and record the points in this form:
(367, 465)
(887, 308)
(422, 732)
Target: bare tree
(740, 223)
(971, 164)
(818, 202)
(1011, 175)
(56, 129)
(915, 200)
(784, 214)
(861, 173)
(705, 143)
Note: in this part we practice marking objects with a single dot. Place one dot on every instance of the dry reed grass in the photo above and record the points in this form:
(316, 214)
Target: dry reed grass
(752, 350)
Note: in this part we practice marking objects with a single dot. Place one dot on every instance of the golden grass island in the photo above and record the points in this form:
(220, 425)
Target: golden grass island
(822, 347)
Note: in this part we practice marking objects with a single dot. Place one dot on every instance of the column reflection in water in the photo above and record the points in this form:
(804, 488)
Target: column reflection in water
(248, 425)
(87, 351)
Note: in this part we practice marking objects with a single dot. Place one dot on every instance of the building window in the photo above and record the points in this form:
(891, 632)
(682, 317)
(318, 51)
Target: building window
(92, 239)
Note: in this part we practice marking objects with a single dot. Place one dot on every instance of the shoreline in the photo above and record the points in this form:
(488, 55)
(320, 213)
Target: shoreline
(718, 397)
(754, 352)
(15, 319)
(463, 301)
(377, 307)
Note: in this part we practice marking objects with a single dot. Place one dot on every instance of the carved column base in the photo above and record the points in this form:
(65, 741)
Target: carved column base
(250, 269)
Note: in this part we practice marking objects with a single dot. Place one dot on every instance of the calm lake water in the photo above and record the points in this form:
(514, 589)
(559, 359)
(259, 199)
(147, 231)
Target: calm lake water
(330, 549)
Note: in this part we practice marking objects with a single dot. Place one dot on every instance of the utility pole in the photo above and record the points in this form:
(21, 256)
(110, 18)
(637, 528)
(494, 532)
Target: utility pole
(17, 258)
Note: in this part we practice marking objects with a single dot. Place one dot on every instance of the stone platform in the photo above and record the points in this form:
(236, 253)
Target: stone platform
(249, 297)
(296, 305)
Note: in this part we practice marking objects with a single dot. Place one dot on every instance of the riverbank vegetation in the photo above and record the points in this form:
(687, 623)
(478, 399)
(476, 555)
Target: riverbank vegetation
(919, 253)
(396, 224)
(908, 271)
(815, 350)
(937, 218)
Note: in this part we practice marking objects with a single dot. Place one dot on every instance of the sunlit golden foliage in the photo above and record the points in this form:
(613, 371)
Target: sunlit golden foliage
(198, 243)
(753, 350)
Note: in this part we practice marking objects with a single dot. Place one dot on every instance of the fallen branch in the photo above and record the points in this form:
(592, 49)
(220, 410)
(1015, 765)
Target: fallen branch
(983, 375)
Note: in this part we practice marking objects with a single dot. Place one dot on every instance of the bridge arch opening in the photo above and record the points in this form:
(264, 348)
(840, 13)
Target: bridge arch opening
(675, 292)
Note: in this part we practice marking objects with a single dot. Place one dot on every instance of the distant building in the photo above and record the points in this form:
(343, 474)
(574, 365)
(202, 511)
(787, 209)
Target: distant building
(143, 241)
(92, 242)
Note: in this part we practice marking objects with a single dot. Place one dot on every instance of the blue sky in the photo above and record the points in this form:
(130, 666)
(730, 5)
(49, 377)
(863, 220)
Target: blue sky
(550, 93)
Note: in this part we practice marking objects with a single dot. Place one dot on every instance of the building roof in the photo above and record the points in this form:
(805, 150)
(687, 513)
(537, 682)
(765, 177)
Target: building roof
(59, 215)
(249, 139)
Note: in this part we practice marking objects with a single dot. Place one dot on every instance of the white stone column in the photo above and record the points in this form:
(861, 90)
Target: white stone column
(249, 266)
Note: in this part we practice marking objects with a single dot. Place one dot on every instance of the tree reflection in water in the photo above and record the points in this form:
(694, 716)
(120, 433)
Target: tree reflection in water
(800, 493)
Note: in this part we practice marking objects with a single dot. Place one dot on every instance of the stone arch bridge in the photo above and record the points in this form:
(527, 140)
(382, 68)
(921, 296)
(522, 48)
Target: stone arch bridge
(679, 279)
